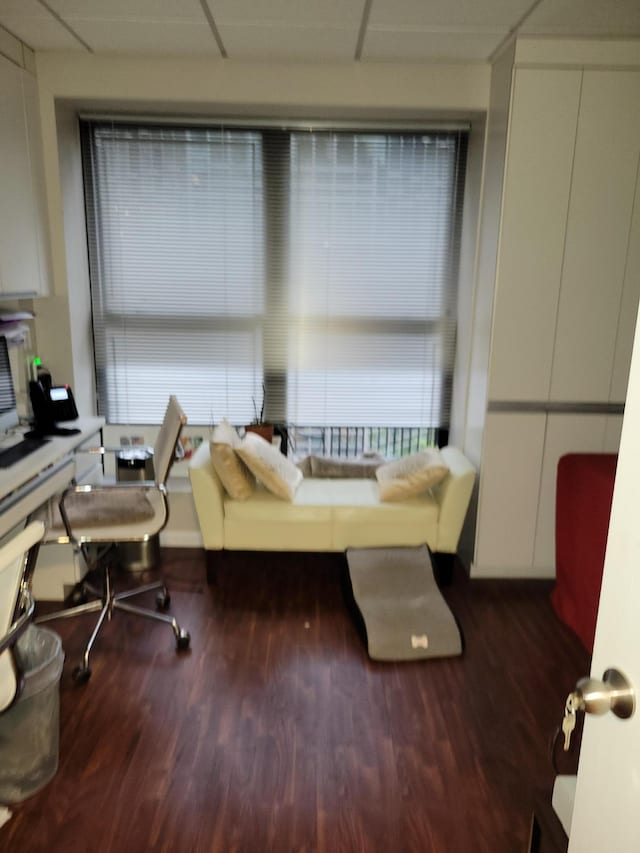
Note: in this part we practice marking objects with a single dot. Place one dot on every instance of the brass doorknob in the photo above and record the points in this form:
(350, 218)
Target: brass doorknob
(614, 693)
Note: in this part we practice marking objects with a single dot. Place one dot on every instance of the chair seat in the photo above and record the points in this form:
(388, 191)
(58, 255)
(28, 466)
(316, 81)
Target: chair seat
(109, 515)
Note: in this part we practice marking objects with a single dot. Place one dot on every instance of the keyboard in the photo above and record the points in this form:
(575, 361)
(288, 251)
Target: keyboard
(19, 451)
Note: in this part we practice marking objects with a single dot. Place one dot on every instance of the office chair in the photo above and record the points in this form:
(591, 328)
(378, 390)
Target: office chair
(105, 515)
(17, 560)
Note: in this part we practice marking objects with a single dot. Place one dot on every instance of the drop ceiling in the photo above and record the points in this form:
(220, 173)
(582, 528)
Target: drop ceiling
(310, 30)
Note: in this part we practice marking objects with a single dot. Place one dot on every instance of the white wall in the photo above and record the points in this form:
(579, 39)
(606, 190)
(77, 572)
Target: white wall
(210, 86)
(495, 148)
(69, 83)
(474, 333)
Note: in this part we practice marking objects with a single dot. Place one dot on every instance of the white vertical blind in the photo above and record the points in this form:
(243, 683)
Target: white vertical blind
(323, 264)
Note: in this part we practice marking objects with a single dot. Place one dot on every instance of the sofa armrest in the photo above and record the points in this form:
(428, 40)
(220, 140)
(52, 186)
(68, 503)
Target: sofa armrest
(453, 496)
(208, 497)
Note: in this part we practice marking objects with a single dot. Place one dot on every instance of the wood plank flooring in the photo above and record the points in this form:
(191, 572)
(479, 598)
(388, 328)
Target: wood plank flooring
(277, 733)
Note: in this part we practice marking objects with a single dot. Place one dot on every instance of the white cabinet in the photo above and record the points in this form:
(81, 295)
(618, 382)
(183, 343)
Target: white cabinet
(512, 457)
(565, 303)
(517, 502)
(603, 187)
(568, 277)
(537, 185)
(40, 213)
(24, 263)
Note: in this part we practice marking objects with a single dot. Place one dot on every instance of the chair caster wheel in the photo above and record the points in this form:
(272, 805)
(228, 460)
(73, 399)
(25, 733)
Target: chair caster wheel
(79, 596)
(183, 640)
(163, 600)
(81, 674)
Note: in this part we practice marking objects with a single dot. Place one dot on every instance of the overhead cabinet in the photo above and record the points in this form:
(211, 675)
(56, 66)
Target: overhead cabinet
(24, 252)
(604, 191)
(568, 262)
(536, 194)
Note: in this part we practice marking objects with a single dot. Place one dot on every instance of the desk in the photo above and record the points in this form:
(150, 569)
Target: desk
(33, 480)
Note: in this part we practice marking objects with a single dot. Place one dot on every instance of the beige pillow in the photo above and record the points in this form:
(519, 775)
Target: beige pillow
(231, 470)
(277, 473)
(410, 476)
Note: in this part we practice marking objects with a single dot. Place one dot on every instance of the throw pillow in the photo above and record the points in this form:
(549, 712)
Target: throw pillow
(231, 470)
(333, 467)
(277, 473)
(304, 465)
(412, 475)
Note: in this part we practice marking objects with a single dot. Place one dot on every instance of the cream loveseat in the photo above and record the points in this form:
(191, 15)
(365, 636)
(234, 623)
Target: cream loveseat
(329, 514)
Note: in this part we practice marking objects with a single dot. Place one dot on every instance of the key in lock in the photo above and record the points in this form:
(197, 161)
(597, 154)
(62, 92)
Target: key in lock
(614, 693)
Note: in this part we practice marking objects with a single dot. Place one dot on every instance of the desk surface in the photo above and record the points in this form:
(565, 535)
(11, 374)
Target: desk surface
(53, 451)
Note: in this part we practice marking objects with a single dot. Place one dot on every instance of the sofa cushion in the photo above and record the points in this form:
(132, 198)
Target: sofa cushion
(411, 475)
(329, 513)
(265, 506)
(277, 473)
(314, 497)
(233, 473)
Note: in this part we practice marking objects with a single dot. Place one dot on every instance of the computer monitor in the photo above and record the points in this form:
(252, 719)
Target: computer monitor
(8, 407)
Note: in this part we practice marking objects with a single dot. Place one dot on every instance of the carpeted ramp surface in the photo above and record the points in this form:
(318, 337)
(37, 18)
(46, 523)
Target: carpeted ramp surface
(405, 616)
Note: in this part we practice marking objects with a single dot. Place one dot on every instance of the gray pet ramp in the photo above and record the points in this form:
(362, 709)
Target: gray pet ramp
(405, 615)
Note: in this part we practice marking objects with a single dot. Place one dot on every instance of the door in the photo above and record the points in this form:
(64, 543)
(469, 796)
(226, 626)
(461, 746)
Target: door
(607, 807)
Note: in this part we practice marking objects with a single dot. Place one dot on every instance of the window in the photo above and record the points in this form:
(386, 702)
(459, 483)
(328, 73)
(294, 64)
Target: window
(318, 265)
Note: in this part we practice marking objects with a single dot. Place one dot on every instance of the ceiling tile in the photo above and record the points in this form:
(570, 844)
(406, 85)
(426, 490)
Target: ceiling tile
(589, 17)
(29, 8)
(147, 37)
(289, 43)
(129, 10)
(341, 13)
(450, 14)
(39, 33)
(412, 45)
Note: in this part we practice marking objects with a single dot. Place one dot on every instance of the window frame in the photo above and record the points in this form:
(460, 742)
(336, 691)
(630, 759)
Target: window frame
(274, 378)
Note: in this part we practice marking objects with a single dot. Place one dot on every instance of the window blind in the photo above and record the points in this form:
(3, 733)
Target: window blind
(317, 268)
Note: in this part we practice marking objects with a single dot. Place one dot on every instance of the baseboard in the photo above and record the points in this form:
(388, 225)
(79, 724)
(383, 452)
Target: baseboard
(512, 572)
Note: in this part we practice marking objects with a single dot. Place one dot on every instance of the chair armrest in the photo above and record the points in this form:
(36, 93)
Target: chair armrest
(208, 497)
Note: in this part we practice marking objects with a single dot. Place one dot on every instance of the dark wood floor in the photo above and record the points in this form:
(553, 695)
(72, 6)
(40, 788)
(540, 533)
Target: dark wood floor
(277, 733)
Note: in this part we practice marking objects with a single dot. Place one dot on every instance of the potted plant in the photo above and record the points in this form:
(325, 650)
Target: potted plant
(258, 424)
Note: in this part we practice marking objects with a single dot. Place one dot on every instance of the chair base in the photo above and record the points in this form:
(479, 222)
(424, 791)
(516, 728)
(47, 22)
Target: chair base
(107, 601)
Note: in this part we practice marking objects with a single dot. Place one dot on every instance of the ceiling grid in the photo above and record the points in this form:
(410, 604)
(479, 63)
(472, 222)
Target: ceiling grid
(310, 30)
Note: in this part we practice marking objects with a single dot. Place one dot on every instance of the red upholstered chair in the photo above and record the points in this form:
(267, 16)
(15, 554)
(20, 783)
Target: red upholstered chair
(584, 491)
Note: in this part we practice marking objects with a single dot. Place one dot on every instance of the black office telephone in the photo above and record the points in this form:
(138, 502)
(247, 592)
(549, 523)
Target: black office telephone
(52, 404)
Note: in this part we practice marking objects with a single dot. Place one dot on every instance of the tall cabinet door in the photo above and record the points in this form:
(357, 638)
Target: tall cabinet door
(24, 245)
(628, 306)
(605, 174)
(19, 270)
(542, 132)
(38, 192)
